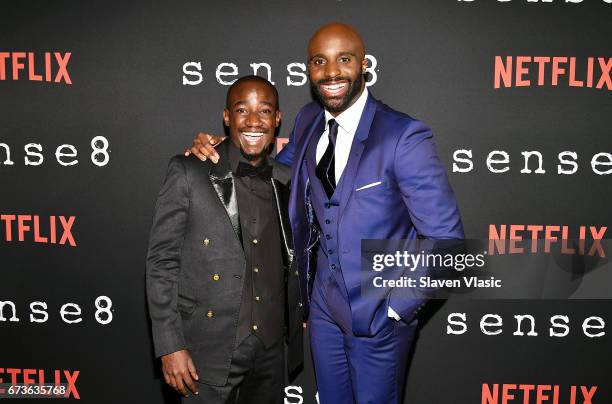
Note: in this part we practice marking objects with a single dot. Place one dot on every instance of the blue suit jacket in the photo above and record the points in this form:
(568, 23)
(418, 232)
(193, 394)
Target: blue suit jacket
(413, 199)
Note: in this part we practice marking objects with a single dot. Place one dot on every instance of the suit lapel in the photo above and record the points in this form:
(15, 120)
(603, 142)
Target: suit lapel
(285, 227)
(222, 181)
(299, 179)
(361, 135)
(281, 177)
(318, 125)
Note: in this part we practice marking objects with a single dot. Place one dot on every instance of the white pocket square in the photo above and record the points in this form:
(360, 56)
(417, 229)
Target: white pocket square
(369, 185)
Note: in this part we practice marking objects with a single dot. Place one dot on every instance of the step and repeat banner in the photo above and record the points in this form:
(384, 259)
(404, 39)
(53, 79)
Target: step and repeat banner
(95, 97)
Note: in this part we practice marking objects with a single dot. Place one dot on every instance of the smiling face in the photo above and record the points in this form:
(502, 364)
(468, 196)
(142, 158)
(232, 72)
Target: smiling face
(252, 116)
(336, 63)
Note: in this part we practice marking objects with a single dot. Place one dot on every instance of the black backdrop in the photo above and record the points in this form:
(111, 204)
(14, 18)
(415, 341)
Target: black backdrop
(435, 61)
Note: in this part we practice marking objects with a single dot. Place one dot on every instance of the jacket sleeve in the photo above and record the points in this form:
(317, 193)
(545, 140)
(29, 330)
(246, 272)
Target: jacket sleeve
(431, 204)
(425, 189)
(286, 156)
(164, 260)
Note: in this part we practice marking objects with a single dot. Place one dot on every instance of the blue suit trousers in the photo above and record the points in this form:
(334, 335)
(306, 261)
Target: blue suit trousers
(350, 369)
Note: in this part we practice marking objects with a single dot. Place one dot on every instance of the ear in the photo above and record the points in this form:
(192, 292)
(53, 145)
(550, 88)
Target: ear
(364, 65)
(277, 118)
(226, 118)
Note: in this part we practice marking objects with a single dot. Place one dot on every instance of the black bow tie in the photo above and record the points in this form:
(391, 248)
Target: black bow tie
(264, 171)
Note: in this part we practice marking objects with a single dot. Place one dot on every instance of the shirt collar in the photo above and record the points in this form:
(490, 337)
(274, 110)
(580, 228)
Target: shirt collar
(349, 118)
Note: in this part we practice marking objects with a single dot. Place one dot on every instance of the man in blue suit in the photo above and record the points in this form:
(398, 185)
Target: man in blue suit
(360, 170)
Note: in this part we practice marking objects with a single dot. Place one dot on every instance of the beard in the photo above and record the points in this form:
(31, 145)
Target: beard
(338, 104)
(255, 156)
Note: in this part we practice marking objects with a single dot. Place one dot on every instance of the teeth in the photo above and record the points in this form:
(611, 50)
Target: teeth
(252, 134)
(334, 87)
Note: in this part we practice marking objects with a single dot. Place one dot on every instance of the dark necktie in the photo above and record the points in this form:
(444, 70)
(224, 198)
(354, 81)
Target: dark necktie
(326, 167)
(263, 171)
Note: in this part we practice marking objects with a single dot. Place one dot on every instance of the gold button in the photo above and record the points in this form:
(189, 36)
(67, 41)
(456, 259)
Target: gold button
(257, 298)
(255, 241)
(255, 327)
(296, 273)
(210, 314)
(216, 277)
(255, 269)
(206, 242)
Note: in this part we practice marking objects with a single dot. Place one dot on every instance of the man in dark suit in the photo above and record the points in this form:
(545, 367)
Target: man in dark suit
(221, 286)
(360, 170)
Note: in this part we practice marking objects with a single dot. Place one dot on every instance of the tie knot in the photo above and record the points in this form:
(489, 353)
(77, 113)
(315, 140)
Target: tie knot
(333, 130)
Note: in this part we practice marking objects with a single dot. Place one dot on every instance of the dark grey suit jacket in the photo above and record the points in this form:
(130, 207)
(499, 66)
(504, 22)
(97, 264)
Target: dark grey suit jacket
(196, 265)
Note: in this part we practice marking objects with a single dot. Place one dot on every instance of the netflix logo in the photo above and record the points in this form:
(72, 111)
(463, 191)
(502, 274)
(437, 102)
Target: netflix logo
(48, 66)
(537, 394)
(536, 238)
(21, 377)
(38, 229)
(526, 71)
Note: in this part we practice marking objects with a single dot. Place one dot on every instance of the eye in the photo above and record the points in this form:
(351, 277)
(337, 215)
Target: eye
(318, 62)
(241, 110)
(345, 59)
(266, 111)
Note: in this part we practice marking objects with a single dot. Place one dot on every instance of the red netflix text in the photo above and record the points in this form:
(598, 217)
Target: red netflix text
(526, 71)
(536, 394)
(48, 66)
(39, 229)
(512, 239)
(16, 376)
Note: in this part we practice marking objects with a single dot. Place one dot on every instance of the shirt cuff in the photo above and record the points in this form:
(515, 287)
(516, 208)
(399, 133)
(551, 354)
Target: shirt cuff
(392, 314)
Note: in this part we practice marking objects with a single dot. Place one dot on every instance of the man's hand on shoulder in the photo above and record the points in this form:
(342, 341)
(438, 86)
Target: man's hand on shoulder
(180, 372)
(203, 147)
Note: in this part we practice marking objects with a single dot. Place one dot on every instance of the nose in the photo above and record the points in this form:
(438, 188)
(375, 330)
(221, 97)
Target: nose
(253, 120)
(332, 70)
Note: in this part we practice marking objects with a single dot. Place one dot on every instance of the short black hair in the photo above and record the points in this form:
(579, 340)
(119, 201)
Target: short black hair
(247, 79)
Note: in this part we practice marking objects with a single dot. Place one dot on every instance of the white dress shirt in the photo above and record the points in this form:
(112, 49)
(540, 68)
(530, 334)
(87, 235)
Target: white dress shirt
(348, 121)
